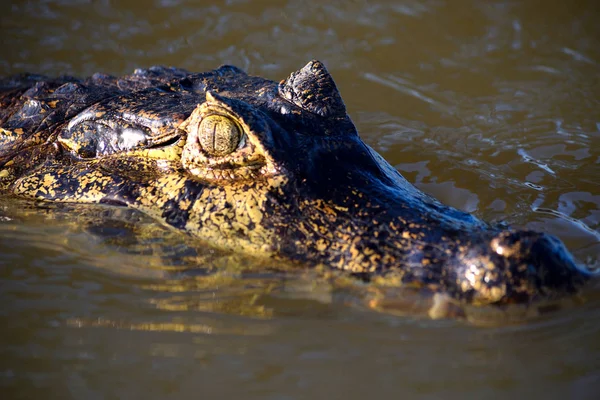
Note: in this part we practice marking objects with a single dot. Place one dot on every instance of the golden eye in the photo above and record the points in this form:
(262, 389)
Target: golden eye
(219, 135)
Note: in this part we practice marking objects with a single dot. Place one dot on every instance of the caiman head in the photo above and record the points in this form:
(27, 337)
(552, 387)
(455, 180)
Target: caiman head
(278, 169)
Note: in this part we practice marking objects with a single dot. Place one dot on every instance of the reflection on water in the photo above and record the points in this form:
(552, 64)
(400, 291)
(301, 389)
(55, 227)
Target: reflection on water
(492, 107)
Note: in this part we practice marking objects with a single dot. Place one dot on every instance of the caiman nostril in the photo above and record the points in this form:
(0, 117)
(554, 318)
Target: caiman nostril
(538, 264)
(515, 267)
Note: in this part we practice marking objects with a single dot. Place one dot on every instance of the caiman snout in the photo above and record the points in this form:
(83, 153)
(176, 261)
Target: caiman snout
(516, 267)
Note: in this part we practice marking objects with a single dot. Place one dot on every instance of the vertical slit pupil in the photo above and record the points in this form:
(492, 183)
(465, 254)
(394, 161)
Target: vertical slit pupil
(218, 135)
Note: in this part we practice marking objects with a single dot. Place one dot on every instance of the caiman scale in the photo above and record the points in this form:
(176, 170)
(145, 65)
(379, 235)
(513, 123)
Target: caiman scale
(272, 169)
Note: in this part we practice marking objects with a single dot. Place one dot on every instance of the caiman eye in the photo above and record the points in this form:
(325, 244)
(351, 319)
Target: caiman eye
(219, 135)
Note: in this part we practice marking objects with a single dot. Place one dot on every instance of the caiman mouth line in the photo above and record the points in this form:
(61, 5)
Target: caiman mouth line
(271, 169)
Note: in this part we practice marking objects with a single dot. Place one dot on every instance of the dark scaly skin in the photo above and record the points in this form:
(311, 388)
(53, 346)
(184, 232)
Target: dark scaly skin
(301, 186)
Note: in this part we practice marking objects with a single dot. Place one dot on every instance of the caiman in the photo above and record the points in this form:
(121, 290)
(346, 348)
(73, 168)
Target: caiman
(271, 169)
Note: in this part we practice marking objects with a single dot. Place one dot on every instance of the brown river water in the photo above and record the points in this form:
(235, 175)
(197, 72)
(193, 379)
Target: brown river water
(491, 106)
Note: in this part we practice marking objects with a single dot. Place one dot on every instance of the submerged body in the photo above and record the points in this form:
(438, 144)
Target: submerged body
(272, 169)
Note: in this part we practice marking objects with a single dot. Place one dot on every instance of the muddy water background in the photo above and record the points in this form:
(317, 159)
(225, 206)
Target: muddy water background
(493, 107)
